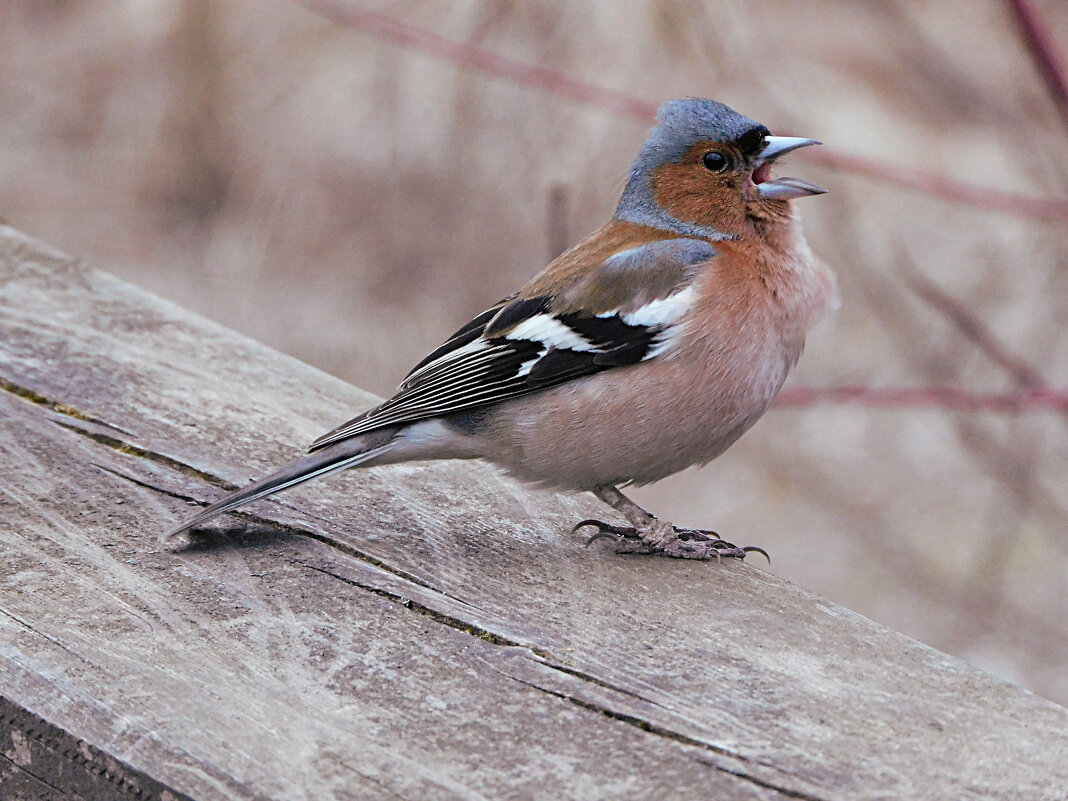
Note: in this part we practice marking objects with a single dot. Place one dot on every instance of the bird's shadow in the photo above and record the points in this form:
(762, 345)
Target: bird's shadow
(237, 536)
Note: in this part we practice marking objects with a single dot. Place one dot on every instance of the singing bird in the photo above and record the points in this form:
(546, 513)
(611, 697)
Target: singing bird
(650, 346)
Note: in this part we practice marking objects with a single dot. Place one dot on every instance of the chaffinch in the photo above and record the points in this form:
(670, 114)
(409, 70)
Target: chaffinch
(649, 346)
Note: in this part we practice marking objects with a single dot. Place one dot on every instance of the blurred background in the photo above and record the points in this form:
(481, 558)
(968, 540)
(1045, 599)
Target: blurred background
(349, 181)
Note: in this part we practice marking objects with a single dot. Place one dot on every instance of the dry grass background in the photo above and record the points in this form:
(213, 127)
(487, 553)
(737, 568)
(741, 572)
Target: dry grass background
(351, 202)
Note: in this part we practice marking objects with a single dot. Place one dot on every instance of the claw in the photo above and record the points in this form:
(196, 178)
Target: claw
(600, 535)
(757, 549)
(605, 531)
(587, 522)
(724, 548)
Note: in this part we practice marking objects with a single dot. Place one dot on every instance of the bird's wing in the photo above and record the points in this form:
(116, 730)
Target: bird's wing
(627, 310)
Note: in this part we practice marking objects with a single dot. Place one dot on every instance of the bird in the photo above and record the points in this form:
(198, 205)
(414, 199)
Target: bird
(650, 346)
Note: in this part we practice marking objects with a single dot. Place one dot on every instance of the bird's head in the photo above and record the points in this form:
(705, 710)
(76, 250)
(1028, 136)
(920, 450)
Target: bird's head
(705, 171)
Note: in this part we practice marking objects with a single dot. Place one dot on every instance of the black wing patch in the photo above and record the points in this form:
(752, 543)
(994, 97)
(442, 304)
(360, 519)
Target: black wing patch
(516, 312)
(469, 333)
(521, 346)
(477, 371)
(614, 343)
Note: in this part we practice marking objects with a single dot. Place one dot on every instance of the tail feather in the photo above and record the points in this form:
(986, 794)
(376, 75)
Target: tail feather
(348, 453)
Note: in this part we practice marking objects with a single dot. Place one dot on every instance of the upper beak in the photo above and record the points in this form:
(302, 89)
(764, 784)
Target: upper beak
(782, 188)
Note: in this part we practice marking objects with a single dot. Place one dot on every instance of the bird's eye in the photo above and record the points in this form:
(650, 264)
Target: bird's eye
(714, 161)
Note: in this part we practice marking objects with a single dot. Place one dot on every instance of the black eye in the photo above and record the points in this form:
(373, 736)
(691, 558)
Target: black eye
(714, 161)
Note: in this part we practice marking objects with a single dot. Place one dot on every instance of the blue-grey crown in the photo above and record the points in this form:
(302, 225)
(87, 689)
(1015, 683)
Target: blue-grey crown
(682, 123)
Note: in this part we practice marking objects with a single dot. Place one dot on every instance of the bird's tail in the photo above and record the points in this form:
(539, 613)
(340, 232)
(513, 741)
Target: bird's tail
(362, 450)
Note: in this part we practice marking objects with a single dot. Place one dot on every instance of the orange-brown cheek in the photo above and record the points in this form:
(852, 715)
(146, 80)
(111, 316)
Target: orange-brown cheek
(689, 193)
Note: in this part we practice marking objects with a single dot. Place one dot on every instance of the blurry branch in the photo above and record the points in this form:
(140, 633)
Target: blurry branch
(559, 235)
(467, 56)
(968, 323)
(942, 186)
(1043, 50)
(1006, 451)
(194, 180)
(1024, 376)
(931, 397)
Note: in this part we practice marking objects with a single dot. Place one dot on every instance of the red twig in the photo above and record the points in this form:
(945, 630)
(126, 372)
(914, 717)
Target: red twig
(1044, 51)
(929, 397)
(467, 56)
(943, 186)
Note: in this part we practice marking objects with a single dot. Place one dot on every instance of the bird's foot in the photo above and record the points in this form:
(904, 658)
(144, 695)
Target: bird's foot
(664, 539)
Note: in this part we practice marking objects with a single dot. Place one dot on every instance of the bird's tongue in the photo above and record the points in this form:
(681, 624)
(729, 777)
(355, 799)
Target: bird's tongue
(762, 173)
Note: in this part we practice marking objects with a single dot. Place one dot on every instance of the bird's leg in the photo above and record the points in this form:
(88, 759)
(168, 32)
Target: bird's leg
(647, 535)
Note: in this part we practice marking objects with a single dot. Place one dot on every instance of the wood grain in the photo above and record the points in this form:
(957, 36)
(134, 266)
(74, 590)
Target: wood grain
(419, 631)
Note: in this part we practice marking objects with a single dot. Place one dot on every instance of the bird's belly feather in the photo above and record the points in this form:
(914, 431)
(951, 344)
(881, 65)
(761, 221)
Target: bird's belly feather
(679, 416)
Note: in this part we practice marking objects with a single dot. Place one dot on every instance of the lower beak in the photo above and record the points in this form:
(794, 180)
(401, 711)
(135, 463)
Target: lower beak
(782, 188)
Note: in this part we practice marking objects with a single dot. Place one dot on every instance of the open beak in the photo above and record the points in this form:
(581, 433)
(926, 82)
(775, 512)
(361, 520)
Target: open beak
(781, 188)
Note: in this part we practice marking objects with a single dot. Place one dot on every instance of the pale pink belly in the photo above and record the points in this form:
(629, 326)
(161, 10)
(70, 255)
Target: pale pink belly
(614, 429)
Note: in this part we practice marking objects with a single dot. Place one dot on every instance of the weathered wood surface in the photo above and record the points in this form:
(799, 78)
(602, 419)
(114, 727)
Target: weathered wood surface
(418, 632)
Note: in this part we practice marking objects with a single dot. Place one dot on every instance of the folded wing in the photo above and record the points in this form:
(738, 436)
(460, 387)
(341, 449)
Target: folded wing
(628, 310)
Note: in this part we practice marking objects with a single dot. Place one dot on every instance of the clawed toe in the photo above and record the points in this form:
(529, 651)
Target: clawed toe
(697, 535)
(651, 536)
(706, 549)
(606, 531)
(665, 540)
(755, 549)
(721, 548)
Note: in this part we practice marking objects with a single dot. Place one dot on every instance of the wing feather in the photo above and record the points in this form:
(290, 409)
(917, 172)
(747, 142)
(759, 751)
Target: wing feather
(523, 345)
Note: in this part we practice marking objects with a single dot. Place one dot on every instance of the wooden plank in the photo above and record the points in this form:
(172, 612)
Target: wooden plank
(41, 761)
(418, 631)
